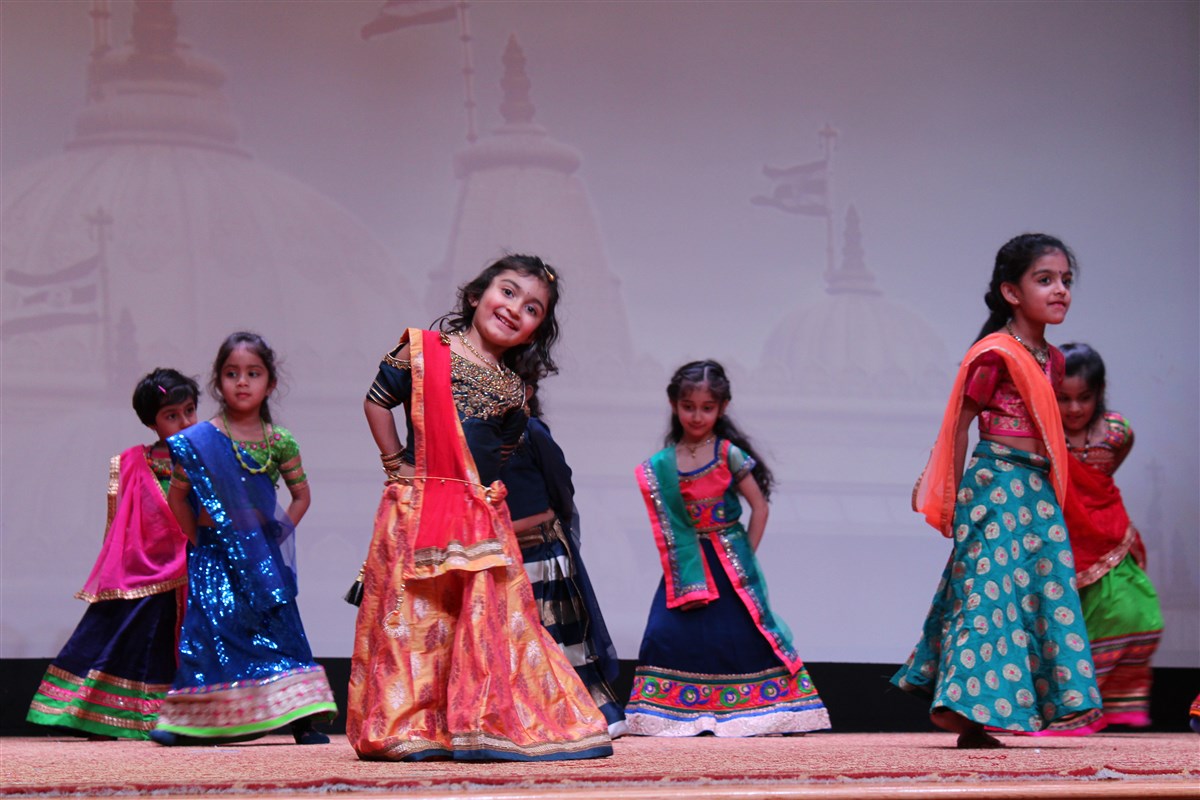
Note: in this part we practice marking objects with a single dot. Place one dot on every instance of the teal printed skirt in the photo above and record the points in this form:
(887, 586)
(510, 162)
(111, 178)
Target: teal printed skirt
(1005, 643)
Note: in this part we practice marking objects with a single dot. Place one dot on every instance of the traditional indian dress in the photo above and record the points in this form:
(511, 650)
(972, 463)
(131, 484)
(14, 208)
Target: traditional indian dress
(538, 479)
(728, 666)
(1004, 643)
(245, 664)
(1121, 608)
(111, 676)
(450, 657)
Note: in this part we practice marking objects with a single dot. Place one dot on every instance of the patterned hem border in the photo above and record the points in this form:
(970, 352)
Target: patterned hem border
(328, 710)
(739, 726)
(479, 746)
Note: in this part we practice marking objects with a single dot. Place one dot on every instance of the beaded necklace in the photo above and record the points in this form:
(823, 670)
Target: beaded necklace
(238, 453)
(161, 467)
(1040, 354)
(496, 365)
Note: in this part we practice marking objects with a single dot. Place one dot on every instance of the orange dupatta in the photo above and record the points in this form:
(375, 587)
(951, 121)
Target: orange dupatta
(935, 492)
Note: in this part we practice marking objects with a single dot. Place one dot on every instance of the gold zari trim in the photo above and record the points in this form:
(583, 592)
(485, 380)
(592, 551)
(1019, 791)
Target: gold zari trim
(133, 594)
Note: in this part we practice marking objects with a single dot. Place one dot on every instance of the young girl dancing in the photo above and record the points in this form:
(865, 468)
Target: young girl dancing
(1004, 644)
(108, 681)
(1120, 607)
(541, 500)
(450, 656)
(714, 657)
(245, 664)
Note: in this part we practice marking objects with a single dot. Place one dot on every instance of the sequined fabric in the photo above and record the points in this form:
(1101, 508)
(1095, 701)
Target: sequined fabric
(245, 663)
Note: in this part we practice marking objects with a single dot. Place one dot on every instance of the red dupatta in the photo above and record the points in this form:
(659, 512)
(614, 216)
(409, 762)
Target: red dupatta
(458, 524)
(1098, 524)
(936, 489)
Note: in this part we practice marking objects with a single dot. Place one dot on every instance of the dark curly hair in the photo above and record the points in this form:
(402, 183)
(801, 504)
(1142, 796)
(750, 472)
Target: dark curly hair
(532, 361)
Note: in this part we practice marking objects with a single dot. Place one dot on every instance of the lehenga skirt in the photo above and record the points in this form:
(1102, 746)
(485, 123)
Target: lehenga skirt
(111, 676)
(1005, 643)
(459, 666)
(1124, 621)
(243, 670)
(563, 595)
(710, 670)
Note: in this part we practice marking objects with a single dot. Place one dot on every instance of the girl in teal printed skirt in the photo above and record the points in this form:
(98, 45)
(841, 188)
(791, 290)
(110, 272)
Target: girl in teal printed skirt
(1004, 645)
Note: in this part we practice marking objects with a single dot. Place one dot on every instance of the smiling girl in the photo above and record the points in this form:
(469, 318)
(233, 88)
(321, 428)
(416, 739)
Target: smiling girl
(451, 660)
(245, 664)
(1004, 644)
(714, 657)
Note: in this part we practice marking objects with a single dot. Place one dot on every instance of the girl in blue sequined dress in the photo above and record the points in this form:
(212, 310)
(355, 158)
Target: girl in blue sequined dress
(245, 664)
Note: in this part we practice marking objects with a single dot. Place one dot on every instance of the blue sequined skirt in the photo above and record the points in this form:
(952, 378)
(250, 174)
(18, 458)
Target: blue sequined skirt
(244, 668)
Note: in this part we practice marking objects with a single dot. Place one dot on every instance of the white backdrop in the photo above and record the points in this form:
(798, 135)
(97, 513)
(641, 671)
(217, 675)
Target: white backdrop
(326, 196)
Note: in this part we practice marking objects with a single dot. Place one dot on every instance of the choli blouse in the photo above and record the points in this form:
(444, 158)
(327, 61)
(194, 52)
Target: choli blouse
(1004, 412)
(490, 403)
(1114, 440)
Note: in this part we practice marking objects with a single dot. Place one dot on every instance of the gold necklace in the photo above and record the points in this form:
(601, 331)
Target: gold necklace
(471, 348)
(1040, 355)
(692, 448)
(237, 453)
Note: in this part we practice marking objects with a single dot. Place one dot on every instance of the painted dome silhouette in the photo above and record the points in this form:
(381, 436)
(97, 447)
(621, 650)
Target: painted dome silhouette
(853, 342)
(189, 236)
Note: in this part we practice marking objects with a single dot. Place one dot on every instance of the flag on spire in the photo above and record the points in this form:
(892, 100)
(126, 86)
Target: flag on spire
(799, 190)
(70, 296)
(397, 14)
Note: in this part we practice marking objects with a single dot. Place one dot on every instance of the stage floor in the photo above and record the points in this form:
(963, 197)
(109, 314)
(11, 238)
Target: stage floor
(825, 765)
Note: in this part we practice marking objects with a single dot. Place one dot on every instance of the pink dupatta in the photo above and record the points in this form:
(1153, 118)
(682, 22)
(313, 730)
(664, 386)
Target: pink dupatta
(144, 549)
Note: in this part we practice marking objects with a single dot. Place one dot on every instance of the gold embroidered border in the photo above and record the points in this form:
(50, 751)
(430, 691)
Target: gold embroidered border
(456, 552)
(133, 594)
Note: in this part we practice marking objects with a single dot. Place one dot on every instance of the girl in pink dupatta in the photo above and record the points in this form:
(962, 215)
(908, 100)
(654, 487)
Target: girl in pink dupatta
(109, 679)
(451, 660)
(1004, 644)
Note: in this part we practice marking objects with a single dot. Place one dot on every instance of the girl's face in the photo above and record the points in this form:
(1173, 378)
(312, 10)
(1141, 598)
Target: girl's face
(1043, 294)
(1076, 403)
(698, 411)
(173, 418)
(245, 381)
(510, 310)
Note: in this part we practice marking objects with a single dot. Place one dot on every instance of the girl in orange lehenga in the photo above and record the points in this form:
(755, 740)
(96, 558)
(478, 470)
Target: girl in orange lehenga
(450, 657)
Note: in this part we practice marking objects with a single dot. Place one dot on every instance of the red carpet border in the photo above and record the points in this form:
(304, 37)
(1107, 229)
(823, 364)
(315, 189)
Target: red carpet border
(66, 766)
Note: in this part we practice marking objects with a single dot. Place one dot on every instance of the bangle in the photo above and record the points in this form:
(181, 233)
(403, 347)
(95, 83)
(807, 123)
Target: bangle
(391, 461)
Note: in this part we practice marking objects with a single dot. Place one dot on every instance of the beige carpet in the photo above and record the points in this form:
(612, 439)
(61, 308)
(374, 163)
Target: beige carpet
(695, 767)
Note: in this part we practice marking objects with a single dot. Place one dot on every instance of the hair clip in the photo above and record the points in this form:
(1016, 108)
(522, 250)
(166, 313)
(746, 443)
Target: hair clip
(160, 388)
(550, 276)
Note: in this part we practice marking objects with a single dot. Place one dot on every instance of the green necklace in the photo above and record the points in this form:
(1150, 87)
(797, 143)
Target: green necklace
(237, 453)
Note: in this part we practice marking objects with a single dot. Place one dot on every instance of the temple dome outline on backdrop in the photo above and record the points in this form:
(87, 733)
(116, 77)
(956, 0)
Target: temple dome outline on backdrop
(519, 192)
(854, 342)
(197, 223)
